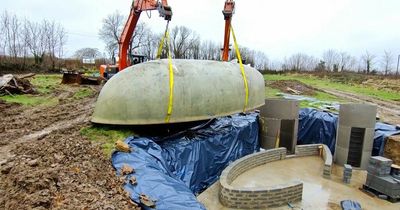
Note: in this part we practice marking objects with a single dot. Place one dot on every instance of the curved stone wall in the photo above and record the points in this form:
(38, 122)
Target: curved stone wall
(265, 197)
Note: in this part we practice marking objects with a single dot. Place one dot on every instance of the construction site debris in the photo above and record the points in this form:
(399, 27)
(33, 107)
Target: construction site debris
(10, 84)
(95, 186)
(293, 87)
(74, 77)
(133, 180)
(145, 200)
(125, 170)
(122, 146)
(392, 149)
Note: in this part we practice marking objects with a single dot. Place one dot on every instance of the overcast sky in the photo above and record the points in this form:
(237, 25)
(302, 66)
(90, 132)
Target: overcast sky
(279, 28)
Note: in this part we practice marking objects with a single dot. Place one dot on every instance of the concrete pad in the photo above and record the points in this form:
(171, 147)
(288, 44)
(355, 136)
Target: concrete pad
(318, 193)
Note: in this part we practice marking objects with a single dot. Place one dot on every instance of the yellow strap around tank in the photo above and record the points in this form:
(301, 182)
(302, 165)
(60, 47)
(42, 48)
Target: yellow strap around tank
(246, 88)
(171, 80)
(171, 72)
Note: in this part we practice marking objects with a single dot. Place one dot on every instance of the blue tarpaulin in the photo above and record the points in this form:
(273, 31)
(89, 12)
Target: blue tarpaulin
(320, 127)
(172, 171)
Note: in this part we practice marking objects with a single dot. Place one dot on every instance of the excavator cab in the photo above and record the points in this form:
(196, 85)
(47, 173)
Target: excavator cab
(107, 71)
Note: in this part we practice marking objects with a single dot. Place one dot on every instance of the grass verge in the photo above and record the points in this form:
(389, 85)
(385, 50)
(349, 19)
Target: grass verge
(30, 100)
(46, 83)
(83, 93)
(106, 136)
(325, 83)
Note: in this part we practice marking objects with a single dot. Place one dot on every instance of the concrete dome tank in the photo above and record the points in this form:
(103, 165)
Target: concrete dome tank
(203, 89)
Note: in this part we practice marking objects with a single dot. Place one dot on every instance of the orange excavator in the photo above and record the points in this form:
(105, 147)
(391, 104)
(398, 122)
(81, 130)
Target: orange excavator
(126, 59)
(138, 6)
(228, 11)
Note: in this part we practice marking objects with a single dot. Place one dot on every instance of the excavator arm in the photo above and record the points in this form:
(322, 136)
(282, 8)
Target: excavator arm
(228, 11)
(138, 6)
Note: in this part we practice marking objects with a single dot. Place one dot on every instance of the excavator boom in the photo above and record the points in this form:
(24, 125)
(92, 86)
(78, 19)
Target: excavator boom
(228, 11)
(137, 8)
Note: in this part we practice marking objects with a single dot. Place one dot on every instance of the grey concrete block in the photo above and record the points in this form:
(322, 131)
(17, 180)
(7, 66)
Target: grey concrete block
(280, 108)
(357, 115)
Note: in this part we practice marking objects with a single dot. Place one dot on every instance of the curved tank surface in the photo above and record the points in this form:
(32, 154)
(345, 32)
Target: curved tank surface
(203, 89)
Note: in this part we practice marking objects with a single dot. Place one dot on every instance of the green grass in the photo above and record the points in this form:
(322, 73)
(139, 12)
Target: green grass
(46, 83)
(106, 136)
(30, 100)
(271, 92)
(324, 83)
(83, 93)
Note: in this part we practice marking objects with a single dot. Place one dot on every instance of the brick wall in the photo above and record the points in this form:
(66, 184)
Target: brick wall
(257, 197)
(272, 196)
(317, 149)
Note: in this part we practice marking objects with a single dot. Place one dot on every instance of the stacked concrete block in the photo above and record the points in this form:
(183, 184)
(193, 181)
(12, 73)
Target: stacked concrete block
(379, 178)
(279, 117)
(347, 172)
(379, 166)
(355, 134)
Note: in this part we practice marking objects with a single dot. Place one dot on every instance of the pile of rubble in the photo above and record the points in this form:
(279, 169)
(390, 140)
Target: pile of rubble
(10, 84)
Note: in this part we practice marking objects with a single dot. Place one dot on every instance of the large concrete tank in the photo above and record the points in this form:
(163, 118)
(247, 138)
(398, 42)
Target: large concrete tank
(202, 90)
(355, 134)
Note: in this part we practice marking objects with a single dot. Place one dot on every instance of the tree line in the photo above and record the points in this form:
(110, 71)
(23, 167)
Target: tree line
(187, 44)
(337, 61)
(24, 43)
(184, 42)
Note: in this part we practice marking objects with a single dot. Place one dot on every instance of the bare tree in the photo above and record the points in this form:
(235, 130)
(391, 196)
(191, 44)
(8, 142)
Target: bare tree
(182, 40)
(87, 52)
(10, 27)
(35, 40)
(261, 61)
(209, 50)
(111, 31)
(387, 61)
(369, 61)
(300, 62)
(344, 61)
(331, 59)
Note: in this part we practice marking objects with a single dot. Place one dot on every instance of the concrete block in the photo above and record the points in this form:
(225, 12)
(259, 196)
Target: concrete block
(357, 115)
(280, 108)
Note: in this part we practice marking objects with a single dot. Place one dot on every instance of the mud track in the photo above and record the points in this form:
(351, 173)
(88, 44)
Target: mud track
(46, 164)
(388, 111)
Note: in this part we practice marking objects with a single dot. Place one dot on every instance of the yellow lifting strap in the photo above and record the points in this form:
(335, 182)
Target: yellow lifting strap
(246, 88)
(171, 72)
(171, 81)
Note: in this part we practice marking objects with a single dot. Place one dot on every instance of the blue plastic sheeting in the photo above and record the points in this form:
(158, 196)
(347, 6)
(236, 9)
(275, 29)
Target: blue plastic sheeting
(320, 127)
(382, 131)
(317, 127)
(174, 170)
(350, 205)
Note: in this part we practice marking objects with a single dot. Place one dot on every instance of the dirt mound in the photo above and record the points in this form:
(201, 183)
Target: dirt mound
(62, 171)
(293, 87)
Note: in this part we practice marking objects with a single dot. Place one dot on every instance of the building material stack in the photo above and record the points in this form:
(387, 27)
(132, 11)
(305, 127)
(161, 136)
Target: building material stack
(380, 180)
(379, 166)
(347, 171)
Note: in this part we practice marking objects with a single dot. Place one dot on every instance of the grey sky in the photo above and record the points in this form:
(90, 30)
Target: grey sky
(279, 28)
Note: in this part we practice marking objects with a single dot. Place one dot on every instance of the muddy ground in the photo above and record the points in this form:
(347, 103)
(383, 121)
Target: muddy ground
(47, 164)
(288, 86)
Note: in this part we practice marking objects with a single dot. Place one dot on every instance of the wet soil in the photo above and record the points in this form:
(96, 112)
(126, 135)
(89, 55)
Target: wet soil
(46, 164)
(287, 86)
